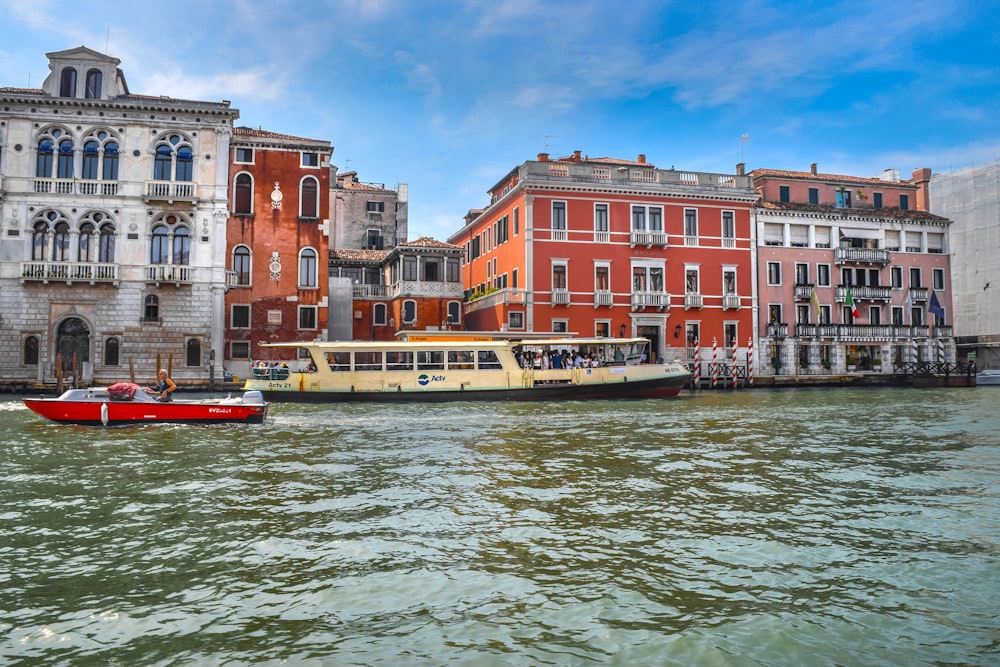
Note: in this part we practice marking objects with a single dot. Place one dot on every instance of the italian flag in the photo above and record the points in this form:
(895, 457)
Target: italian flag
(849, 302)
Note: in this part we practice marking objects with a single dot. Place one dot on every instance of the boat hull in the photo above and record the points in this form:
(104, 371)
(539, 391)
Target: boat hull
(658, 387)
(128, 413)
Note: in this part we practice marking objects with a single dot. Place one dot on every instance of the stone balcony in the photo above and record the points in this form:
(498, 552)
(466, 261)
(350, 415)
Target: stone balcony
(69, 272)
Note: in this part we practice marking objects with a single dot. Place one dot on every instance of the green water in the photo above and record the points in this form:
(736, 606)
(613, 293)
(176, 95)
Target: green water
(789, 527)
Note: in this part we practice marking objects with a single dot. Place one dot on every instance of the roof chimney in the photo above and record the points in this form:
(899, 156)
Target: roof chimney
(543, 157)
(812, 168)
(922, 179)
(741, 169)
(576, 156)
(641, 159)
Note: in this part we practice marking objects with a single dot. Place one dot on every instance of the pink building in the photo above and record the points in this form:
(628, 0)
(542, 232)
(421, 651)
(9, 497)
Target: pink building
(853, 273)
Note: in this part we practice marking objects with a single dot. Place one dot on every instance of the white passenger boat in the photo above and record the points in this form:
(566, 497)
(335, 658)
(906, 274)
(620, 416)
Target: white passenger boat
(988, 377)
(470, 367)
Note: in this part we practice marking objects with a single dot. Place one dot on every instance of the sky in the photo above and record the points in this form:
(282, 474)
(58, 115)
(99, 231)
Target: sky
(448, 97)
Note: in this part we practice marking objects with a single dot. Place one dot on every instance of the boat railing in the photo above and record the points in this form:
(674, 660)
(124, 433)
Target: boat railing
(271, 373)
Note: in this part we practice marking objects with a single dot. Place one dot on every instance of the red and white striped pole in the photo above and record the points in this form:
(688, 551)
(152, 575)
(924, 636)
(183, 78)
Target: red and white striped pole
(715, 365)
(697, 365)
(734, 362)
(750, 362)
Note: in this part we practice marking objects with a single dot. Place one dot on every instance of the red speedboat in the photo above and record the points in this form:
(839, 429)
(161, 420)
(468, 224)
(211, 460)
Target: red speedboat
(128, 406)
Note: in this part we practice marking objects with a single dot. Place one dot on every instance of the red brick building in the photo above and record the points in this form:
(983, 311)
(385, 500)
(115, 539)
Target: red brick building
(277, 240)
(610, 247)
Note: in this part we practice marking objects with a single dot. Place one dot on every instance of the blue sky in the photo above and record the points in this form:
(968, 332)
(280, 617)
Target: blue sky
(449, 96)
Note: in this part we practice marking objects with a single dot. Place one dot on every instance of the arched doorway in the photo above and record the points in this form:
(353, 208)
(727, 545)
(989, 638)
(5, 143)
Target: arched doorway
(73, 337)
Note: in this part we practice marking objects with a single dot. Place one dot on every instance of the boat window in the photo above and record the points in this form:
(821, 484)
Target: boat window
(488, 359)
(430, 361)
(460, 359)
(339, 361)
(368, 361)
(399, 360)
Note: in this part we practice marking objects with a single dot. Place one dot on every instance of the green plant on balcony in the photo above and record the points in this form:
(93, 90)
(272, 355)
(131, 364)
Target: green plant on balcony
(852, 363)
(826, 365)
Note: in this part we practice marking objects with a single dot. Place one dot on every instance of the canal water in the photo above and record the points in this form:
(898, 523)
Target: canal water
(774, 527)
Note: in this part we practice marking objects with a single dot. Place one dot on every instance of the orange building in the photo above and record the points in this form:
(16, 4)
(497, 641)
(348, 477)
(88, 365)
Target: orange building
(278, 244)
(610, 247)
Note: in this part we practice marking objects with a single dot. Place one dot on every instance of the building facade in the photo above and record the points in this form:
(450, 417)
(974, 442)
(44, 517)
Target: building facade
(610, 247)
(854, 273)
(414, 286)
(278, 241)
(113, 210)
(970, 197)
(367, 216)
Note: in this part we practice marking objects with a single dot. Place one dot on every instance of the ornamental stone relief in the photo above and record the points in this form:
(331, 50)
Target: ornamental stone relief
(275, 265)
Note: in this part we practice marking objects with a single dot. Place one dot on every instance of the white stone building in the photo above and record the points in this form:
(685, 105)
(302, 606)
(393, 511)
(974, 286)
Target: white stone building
(113, 210)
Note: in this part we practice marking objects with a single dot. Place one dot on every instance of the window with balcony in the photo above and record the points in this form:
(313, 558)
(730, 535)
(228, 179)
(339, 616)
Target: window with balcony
(559, 220)
(915, 277)
(44, 158)
(897, 316)
(308, 268)
(728, 229)
(602, 277)
(173, 159)
(558, 276)
(801, 273)
(64, 163)
(774, 314)
(690, 226)
(241, 264)
(729, 281)
(691, 280)
(601, 232)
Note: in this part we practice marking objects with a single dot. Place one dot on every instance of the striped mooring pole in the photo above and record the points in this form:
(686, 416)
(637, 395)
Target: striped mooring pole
(750, 362)
(715, 364)
(734, 362)
(697, 365)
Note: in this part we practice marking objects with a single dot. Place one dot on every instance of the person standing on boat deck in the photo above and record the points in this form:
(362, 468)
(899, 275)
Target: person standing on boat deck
(166, 387)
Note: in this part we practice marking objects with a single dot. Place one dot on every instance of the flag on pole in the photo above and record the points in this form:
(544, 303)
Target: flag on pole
(935, 306)
(849, 302)
(815, 302)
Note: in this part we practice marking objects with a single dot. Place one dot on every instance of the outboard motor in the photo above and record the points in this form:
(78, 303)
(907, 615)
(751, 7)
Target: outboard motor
(253, 398)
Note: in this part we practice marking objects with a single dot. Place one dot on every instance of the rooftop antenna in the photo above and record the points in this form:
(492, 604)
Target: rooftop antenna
(107, 39)
(743, 140)
(546, 144)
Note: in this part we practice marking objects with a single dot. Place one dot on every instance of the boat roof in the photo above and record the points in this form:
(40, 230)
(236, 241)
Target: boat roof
(457, 343)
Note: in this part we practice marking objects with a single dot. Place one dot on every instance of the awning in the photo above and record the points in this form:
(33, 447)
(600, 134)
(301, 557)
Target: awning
(861, 233)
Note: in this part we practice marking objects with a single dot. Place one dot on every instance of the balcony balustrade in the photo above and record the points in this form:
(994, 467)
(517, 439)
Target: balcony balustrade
(658, 300)
(803, 291)
(603, 297)
(863, 293)
(731, 302)
(360, 291)
(866, 332)
(648, 239)
(777, 330)
(170, 191)
(693, 300)
(169, 273)
(861, 256)
(70, 272)
(560, 297)
(501, 297)
(918, 294)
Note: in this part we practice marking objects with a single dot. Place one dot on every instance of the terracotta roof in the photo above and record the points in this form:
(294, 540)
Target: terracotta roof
(838, 178)
(165, 98)
(830, 210)
(600, 160)
(250, 133)
(428, 242)
(356, 255)
(5, 90)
